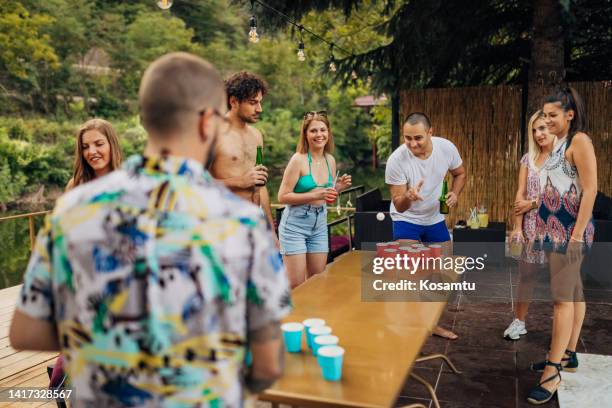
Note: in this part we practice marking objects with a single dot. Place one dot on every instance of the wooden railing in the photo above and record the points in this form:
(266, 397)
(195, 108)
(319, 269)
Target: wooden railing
(31, 227)
(32, 231)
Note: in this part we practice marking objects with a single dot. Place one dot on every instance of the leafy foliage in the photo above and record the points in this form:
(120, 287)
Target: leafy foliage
(439, 43)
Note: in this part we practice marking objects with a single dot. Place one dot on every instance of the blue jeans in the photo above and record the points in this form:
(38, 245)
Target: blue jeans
(303, 229)
(424, 233)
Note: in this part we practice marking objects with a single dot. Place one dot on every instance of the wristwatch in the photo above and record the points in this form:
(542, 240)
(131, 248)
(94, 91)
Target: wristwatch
(534, 204)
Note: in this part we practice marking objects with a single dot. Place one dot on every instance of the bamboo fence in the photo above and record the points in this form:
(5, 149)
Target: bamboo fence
(484, 123)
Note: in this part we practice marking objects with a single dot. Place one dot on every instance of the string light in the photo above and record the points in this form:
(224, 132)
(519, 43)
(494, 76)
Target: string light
(332, 62)
(253, 36)
(164, 4)
(332, 66)
(300, 54)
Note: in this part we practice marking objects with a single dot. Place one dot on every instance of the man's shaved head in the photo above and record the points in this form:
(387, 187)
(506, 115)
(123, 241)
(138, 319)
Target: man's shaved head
(174, 88)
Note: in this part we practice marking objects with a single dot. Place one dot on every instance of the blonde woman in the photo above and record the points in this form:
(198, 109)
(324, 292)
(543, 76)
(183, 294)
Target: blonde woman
(540, 144)
(307, 186)
(97, 152)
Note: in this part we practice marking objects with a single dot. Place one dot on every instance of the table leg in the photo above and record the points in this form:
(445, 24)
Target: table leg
(427, 385)
(441, 356)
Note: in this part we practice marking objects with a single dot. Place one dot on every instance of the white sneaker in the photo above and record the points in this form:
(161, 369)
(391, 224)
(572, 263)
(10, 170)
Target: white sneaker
(515, 330)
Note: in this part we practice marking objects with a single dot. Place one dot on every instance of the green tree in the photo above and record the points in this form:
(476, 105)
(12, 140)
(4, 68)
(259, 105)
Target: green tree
(142, 45)
(24, 50)
(437, 43)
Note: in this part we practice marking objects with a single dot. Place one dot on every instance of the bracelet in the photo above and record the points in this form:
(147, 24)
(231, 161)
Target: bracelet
(575, 239)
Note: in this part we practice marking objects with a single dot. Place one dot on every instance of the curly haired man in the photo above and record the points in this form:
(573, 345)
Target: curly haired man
(235, 153)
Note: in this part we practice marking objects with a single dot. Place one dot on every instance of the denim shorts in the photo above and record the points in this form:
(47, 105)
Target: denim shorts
(303, 229)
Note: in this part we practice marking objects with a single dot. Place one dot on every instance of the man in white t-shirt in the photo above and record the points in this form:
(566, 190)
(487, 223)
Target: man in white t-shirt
(415, 172)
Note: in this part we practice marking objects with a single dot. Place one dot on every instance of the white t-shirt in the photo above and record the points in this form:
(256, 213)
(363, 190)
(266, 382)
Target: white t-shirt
(403, 167)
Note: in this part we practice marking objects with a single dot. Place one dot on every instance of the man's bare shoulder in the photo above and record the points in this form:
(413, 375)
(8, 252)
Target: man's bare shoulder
(253, 131)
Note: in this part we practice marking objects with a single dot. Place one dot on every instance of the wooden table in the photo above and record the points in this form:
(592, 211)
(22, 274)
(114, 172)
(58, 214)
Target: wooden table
(382, 341)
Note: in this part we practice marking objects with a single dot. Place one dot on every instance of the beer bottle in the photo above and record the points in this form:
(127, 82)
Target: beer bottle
(443, 205)
(259, 160)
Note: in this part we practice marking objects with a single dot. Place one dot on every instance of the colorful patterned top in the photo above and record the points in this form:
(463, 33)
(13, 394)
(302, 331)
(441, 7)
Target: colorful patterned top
(530, 254)
(154, 275)
(561, 197)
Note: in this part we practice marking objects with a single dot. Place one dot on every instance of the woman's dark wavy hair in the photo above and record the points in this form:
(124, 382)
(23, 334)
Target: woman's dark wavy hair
(244, 85)
(569, 99)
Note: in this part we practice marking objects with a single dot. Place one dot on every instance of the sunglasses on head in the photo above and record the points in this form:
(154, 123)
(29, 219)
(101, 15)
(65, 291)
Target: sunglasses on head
(311, 114)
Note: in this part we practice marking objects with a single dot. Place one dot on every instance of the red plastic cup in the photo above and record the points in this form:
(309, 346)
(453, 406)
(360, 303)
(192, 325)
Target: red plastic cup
(332, 201)
(404, 250)
(436, 250)
(426, 252)
(390, 252)
(415, 254)
(416, 245)
(393, 244)
(380, 247)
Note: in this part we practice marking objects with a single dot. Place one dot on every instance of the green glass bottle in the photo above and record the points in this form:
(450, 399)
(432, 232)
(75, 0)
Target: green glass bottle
(259, 161)
(443, 206)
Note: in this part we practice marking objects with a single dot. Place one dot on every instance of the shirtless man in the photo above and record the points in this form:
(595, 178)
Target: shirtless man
(235, 153)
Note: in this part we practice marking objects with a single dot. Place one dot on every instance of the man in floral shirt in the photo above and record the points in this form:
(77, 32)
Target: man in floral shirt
(154, 280)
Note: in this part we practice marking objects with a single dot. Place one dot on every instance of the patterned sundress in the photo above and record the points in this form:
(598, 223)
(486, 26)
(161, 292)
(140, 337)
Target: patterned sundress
(561, 195)
(530, 254)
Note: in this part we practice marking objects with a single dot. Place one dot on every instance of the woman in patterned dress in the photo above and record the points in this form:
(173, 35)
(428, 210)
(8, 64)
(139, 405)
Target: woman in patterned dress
(525, 215)
(565, 225)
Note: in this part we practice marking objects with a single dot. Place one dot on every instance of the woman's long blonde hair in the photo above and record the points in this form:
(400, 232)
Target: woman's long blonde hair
(83, 172)
(302, 146)
(533, 149)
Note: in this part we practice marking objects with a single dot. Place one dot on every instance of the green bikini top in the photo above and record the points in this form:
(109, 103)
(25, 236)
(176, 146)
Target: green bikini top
(307, 183)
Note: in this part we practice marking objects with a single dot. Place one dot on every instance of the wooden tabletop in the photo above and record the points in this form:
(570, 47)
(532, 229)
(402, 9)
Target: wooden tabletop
(381, 340)
(376, 363)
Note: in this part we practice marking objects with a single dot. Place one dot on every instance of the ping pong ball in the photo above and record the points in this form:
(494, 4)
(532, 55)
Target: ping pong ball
(380, 216)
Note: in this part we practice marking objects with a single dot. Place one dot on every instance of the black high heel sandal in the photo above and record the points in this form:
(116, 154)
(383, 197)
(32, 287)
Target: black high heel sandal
(540, 395)
(570, 358)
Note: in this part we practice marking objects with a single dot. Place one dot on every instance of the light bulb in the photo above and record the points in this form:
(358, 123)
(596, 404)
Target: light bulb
(300, 54)
(354, 75)
(332, 66)
(164, 4)
(253, 36)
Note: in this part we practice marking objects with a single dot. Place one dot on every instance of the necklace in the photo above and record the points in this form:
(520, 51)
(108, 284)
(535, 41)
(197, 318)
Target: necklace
(317, 162)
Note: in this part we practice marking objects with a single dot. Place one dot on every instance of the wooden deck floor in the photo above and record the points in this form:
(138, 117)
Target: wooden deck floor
(20, 368)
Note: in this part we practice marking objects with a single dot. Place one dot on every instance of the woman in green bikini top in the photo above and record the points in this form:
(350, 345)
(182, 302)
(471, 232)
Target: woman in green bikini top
(307, 185)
